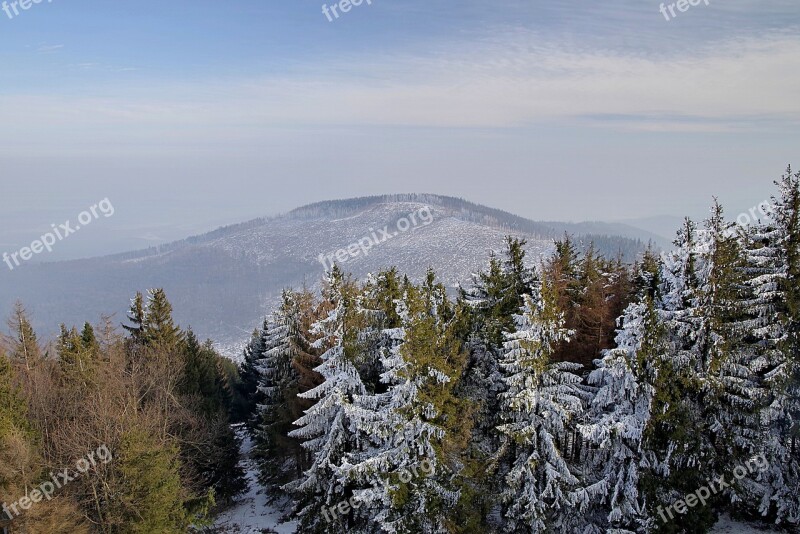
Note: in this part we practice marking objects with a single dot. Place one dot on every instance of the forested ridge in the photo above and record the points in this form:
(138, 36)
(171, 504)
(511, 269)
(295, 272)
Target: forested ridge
(580, 394)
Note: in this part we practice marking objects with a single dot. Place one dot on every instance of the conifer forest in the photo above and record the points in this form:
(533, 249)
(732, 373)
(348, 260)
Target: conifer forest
(579, 393)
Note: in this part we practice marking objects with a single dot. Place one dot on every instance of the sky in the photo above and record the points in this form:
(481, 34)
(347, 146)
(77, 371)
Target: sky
(188, 115)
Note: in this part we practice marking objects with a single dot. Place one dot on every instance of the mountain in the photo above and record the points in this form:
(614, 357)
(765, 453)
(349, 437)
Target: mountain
(663, 226)
(221, 283)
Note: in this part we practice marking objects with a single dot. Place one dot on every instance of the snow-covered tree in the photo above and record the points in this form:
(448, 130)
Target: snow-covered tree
(542, 403)
(403, 474)
(250, 376)
(493, 300)
(277, 385)
(776, 252)
(680, 453)
(734, 366)
(326, 426)
(619, 415)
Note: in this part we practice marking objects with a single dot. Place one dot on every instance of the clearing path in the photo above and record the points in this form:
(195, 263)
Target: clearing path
(252, 514)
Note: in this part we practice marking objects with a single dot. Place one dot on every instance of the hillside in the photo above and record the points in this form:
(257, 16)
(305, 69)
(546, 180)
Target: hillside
(221, 283)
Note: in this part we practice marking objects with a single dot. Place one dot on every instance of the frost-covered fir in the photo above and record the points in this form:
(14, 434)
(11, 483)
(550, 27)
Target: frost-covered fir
(493, 300)
(400, 473)
(778, 292)
(276, 385)
(326, 426)
(541, 405)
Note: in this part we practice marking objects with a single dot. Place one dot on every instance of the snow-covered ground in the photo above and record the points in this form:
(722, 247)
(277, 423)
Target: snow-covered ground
(252, 514)
(727, 526)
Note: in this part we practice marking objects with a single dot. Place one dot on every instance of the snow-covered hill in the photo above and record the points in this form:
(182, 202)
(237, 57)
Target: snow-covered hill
(223, 282)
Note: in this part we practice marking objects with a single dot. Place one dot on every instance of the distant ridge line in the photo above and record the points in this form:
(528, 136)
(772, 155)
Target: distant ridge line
(461, 208)
(467, 210)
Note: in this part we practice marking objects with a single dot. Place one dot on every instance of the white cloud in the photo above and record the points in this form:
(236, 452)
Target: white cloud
(45, 48)
(517, 81)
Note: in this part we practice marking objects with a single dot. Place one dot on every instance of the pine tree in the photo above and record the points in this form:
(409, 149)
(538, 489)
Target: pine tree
(78, 355)
(777, 287)
(496, 294)
(148, 495)
(201, 378)
(543, 399)
(136, 316)
(418, 421)
(679, 450)
(325, 427)
(13, 408)
(204, 390)
(278, 453)
(732, 366)
(24, 345)
(249, 374)
(619, 416)
(89, 341)
(494, 300)
(159, 329)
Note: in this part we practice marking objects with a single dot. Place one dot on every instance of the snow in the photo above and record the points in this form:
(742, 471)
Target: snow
(252, 514)
(727, 526)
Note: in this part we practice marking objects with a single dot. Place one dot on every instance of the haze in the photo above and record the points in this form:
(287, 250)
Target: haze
(189, 115)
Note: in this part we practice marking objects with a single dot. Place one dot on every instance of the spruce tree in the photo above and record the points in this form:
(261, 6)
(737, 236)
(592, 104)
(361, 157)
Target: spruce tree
(403, 471)
(733, 386)
(201, 377)
(542, 402)
(136, 316)
(680, 453)
(24, 345)
(619, 415)
(778, 288)
(78, 356)
(147, 490)
(325, 427)
(13, 408)
(159, 329)
(249, 374)
(278, 454)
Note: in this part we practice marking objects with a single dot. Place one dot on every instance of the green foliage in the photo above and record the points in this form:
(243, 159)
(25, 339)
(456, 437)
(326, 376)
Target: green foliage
(136, 316)
(78, 355)
(202, 378)
(248, 396)
(149, 496)
(499, 292)
(431, 343)
(159, 329)
(24, 345)
(13, 408)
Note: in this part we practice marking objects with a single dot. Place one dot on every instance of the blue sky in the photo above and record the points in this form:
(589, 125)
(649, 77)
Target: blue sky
(192, 114)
